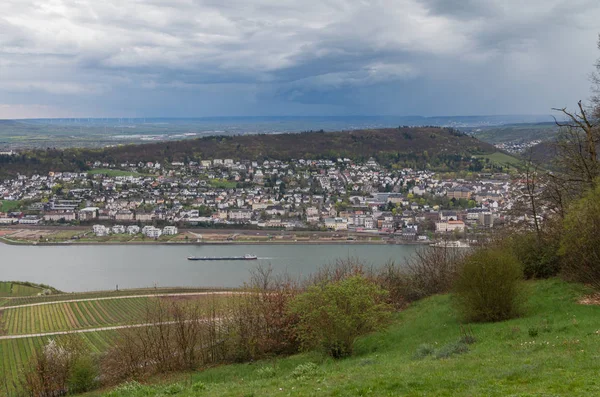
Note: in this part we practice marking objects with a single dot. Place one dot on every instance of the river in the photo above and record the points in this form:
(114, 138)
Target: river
(102, 267)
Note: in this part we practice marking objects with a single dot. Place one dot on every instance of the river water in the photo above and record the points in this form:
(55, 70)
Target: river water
(102, 267)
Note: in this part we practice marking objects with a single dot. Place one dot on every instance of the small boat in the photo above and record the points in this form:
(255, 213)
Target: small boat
(246, 257)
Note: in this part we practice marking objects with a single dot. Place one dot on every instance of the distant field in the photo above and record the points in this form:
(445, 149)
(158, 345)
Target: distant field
(516, 132)
(502, 159)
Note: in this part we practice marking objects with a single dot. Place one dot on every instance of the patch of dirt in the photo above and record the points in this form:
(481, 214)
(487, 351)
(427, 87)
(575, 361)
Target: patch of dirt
(593, 299)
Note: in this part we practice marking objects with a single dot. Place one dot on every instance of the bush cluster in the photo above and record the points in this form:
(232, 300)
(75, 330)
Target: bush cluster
(580, 243)
(489, 286)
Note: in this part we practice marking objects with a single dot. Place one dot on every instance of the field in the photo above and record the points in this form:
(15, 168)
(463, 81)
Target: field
(15, 289)
(515, 132)
(73, 315)
(552, 351)
(19, 301)
(112, 172)
(502, 159)
(9, 205)
(222, 184)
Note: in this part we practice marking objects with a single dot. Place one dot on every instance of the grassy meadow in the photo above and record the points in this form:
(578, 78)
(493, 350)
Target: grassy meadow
(9, 205)
(553, 350)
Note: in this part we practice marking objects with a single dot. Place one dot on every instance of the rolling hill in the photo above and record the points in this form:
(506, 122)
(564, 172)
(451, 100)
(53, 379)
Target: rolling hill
(419, 147)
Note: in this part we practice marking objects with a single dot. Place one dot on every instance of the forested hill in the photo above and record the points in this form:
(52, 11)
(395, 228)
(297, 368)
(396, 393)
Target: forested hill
(432, 147)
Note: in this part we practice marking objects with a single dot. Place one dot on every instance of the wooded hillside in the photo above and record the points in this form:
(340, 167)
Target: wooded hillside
(437, 148)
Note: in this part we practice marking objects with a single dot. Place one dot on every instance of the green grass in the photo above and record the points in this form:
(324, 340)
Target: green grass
(112, 172)
(14, 289)
(562, 359)
(9, 205)
(222, 184)
(502, 159)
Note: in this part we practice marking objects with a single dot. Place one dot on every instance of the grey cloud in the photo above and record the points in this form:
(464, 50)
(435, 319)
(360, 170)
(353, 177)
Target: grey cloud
(292, 56)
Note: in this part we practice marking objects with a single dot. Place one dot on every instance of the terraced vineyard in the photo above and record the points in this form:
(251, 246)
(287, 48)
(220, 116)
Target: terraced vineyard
(27, 300)
(26, 316)
(73, 315)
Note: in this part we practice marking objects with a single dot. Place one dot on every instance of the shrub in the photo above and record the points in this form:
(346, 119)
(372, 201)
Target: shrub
(305, 371)
(423, 351)
(452, 349)
(432, 270)
(533, 332)
(49, 370)
(539, 255)
(580, 242)
(331, 316)
(83, 374)
(489, 286)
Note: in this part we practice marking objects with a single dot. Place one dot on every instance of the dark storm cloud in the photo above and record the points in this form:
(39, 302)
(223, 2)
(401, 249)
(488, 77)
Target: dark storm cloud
(203, 57)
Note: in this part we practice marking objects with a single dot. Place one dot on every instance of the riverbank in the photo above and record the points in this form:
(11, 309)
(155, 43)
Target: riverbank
(65, 237)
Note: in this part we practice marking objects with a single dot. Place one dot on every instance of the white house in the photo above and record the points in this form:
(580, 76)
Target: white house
(118, 229)
(152, 232)
(170, 230)
(133, 229)
(101, 230)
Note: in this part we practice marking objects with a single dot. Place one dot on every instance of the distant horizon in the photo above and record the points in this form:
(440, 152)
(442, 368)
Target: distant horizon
(531, 115)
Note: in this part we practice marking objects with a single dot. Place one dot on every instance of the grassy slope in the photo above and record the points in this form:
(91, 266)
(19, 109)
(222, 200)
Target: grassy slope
(500, 158)
(563, 359)
(11, 289)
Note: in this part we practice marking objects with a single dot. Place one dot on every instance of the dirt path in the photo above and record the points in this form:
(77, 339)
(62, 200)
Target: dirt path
(124, 297)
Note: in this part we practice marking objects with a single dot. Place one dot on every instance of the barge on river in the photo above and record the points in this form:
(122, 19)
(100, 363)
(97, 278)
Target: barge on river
(246, 257)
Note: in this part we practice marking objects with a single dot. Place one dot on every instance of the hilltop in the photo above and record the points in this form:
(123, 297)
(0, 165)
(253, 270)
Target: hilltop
(418, 147)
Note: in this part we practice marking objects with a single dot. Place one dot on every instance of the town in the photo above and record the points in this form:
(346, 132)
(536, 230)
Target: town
(321, 195)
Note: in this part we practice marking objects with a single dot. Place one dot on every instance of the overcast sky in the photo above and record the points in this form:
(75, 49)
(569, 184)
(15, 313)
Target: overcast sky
(182, 58)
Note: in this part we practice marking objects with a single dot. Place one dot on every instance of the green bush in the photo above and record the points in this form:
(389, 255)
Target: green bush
(580, 242)
(539, 255)
(332, 315)
(489, 286)
(82, 375)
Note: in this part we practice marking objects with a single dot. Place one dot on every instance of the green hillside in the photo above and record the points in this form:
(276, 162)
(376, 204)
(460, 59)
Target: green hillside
(552, 351)
(16, 289)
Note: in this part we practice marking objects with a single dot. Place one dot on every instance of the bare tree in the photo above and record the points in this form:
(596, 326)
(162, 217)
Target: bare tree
(596, 86)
